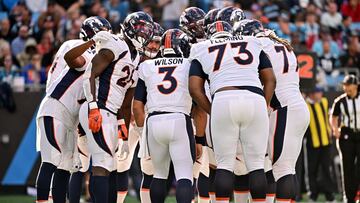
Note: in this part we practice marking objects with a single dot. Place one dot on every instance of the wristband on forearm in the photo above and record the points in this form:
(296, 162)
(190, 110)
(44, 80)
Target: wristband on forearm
(200, 140)
(93, 105)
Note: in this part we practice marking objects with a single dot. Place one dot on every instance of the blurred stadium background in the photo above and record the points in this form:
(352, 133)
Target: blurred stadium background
(324, 33)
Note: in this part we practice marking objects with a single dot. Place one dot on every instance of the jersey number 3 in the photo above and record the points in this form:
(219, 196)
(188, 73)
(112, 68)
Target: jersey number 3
(168, 71)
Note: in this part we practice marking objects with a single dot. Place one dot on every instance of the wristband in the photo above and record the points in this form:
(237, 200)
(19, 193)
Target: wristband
(200, 140)
(121, 122)
(93, 105)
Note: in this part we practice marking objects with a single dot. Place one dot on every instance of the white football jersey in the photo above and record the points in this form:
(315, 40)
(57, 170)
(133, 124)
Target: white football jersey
(118, 77)
(232, 61)
(166, 81)
(285, 67)
(68, 86)
(59, 63)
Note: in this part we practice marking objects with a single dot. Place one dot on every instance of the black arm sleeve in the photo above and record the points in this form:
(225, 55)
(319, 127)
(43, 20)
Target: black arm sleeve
(336, 111)
(197, 70)
(264, 61)
(140, 91)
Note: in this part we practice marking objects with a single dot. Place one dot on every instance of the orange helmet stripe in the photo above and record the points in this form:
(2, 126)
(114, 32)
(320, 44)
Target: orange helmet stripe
(168, 40)
(219, 27)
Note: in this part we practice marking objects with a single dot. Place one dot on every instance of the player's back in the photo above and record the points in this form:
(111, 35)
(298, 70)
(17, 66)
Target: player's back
(232, 61)
(285, 67)
(59, 63)
(166, 81)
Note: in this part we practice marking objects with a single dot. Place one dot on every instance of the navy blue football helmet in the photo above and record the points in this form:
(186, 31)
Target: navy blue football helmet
(93, 25)
(236, 16)
(210, 18)
(175, 42)
(138, 27)
(248, 27)
(192, 21)
(225, 14)
(219, 29)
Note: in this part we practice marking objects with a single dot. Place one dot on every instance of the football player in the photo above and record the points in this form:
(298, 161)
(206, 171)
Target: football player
(289, 116)
(233, 65)
(107, 87)
(163, 88)
(57, 117)
(151, 50)
(192, 23)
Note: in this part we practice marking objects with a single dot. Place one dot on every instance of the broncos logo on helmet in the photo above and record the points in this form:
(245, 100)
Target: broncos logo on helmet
(93, 25)
(236, 16)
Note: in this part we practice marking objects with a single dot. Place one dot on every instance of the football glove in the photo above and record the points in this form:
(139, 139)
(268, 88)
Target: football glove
(101, 37)
(124, 151)
(95, 118)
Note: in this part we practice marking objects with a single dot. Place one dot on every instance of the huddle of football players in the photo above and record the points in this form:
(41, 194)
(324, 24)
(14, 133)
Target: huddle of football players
(218, 99)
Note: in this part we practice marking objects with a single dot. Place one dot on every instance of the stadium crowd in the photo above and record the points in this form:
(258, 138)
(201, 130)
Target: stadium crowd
(31, 31)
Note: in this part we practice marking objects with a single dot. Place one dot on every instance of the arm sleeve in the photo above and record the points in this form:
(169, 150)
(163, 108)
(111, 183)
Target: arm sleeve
(140, 91)
(197, 70)
(264, 61)
(335, 110)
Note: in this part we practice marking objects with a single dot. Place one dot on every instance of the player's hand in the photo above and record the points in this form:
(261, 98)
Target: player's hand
(101, 37)
(198, 149)
(124, 151)
(337, 133)
(95, 118)
(122, 130)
